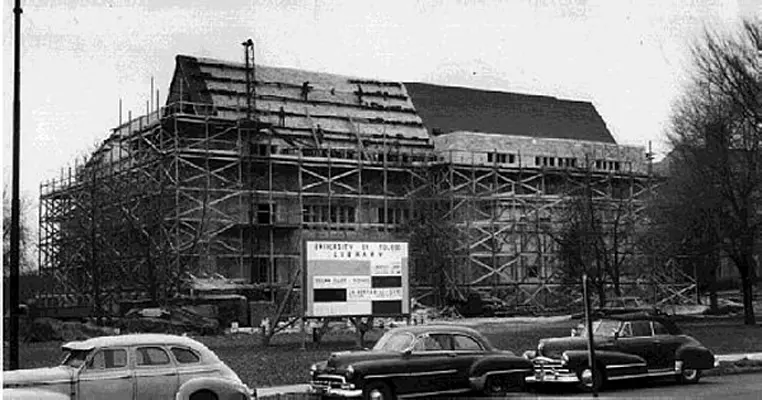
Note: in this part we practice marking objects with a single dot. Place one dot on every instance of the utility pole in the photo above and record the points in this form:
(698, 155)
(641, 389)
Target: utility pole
(15, 202)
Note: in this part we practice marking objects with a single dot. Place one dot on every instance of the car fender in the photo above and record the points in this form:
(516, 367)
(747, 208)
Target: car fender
(223, 388)
(579, 359)
(695, 357)
(497, 365)
(32, 394)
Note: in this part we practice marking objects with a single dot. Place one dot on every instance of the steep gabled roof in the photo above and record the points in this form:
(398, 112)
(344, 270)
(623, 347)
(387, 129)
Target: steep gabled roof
(448, 108)
(339, 105)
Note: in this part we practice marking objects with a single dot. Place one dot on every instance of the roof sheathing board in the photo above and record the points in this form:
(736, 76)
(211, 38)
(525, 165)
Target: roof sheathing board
(450, 109)
(337, 104)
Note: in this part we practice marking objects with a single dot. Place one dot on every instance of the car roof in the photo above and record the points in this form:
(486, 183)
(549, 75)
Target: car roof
(668, 323)
(634, 315)
(444, 328)
(131, 340)
(416, 329)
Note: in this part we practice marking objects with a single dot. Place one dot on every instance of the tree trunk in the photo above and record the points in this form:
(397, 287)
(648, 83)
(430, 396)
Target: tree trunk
(600, 285)
(745, 266)
(747, 284)
(362, 327)
(712, 286)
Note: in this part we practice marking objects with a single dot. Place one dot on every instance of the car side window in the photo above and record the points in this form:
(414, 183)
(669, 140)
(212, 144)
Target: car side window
(150, 356)
(108, 359)
(185, 356)
(466, 343)
(641, 328)
(659, 328)
(432, 342)
(626, 330)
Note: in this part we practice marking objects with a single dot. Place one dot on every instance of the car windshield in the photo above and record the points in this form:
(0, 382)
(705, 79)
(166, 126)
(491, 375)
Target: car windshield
(604, 327)
(394, 342)
(75, 358)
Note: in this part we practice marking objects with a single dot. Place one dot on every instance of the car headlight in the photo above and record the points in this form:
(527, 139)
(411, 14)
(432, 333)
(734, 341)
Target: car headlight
(564, 359)
(313, 369)
(350, 372)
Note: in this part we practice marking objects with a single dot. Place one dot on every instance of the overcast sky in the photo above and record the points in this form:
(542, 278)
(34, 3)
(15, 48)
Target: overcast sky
(79, 57)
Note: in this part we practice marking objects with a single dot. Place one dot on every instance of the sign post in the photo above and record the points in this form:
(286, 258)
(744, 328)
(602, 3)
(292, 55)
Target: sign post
(590, 342)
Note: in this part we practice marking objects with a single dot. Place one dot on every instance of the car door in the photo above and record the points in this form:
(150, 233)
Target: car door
(155, 374)
(665, 346)
(107, 375)
(467, 350)
(430, 365)
(189, 365)
(635, 338)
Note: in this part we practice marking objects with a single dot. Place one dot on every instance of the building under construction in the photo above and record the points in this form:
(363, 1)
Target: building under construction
(244, 163)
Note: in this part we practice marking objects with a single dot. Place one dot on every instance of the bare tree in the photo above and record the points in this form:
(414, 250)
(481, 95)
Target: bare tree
(594, 240)
(26, 264)
(684, 221)
(716, 133)
(434, 243)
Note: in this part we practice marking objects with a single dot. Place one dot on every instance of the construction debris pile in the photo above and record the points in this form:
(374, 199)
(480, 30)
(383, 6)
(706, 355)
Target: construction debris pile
(49, 329)
(199, 320)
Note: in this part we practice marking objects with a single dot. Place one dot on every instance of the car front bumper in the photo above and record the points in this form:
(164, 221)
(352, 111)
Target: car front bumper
(328, 391)
(552, 374)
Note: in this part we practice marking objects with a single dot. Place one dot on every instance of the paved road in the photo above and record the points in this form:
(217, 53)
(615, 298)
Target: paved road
(744, 386)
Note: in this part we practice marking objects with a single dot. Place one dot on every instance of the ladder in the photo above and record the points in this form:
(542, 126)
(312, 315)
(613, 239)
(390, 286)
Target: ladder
(356, 132)
(312, 128)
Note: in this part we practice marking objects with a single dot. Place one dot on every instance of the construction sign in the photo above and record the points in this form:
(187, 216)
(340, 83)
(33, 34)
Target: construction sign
(356, 279)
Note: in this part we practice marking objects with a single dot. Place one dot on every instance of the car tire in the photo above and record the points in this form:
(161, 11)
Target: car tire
(377, 390)
(203, 395)
(495, 386)
(499, 386)
(586, 384)
(688, 376)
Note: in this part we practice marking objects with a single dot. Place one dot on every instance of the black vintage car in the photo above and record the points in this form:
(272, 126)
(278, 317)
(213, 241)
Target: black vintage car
(627, 346)
(421, 361)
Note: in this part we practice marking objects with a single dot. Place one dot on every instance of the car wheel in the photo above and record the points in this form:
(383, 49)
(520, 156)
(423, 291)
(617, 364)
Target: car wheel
(498, 386)
(590, 381)
(689, 375)
(495, 386)
(377, 391)
(203, 395)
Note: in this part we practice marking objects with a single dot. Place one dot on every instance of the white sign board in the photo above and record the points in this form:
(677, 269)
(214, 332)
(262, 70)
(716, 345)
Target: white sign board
(356, 279)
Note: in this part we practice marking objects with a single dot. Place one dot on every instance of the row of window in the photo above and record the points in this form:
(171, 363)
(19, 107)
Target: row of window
(501, 158)
(265, 150)
(144, 356)
(339, 214)
(571, 162)
(336, 214)
(494, 157)
(556, 161)
(608, 165)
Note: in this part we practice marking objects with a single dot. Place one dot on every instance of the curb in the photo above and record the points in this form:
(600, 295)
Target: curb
(736, 357)
(278, 391)
(302, 391)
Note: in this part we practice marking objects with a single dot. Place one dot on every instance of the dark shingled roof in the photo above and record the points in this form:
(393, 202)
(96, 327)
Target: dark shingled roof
(448, 108)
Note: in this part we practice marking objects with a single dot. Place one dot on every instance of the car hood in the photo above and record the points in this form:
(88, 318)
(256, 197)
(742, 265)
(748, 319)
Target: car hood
(555, 347)
(37, 376)
(342, 359)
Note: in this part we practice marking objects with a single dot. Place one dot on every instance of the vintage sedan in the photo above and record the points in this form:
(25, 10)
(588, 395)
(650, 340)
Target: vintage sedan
(138, 366)
(420, 361)
(627, 346)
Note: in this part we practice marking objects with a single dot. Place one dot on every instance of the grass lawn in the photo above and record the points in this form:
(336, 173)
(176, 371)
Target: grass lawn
(284, 362)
